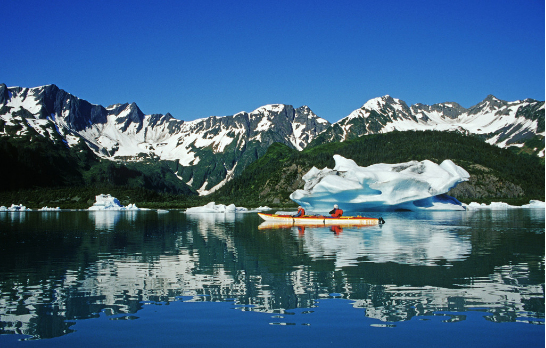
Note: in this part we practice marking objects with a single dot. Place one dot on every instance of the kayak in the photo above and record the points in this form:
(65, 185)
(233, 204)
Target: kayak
(320, 220)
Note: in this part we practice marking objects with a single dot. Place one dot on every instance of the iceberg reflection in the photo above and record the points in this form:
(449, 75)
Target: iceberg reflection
(392, 242)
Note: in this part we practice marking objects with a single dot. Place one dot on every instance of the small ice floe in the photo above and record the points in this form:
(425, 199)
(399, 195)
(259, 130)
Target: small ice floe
(107, 202)
(49, 209)
(533, 204)
(162, 211)
(264, 208)
(216, 208)
(15, 207)
(212, 207)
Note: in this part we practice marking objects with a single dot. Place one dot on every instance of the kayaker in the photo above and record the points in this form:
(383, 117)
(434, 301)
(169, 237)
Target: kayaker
(301, 212)
(336, 212)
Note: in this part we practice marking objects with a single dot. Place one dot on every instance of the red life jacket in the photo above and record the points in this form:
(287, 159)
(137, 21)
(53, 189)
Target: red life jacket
(337, 213)
(302, 211)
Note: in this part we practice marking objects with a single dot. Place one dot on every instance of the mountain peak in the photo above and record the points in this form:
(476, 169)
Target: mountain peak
(271, 108)
(491, 97)
(379, 103)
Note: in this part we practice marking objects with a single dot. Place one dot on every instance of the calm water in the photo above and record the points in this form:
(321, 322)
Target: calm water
(449, 279)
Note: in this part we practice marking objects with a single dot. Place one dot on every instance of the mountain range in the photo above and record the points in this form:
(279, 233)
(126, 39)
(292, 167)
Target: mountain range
(206, 153)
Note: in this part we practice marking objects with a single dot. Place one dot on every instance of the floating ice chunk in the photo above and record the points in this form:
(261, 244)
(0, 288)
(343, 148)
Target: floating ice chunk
(264, 208)
(107, 202)
(49, 209)
(131, 206)
(216, 208)
(212, 207)
(15, 207)
(412, 185)
(533, 204)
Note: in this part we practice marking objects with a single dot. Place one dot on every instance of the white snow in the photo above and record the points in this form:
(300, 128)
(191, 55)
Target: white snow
(411, 185)
(203, 192)
(28, 102)
(266, 109)
(107, 202)
(218, 141)
(212, 207)
(375, 103)
(264, 125)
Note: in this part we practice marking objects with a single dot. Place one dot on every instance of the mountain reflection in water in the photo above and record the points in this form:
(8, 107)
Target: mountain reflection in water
(61, 266)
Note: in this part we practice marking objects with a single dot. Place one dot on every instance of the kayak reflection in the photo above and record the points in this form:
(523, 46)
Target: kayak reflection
(397, 242)
(301, 228)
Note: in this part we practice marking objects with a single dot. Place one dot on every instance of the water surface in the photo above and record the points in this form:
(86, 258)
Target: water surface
(138, 278)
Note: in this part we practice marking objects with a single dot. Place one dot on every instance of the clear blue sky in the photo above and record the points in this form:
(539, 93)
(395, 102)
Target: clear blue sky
(201, 58)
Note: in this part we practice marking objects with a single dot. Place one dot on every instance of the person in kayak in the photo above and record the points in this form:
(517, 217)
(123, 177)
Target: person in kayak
(336, 212)
(301, 212)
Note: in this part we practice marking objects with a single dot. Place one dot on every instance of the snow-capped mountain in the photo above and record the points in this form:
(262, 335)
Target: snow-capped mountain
(499, 122)
(208, 151)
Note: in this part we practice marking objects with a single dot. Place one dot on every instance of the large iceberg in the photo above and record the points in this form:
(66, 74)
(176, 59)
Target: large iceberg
(404, 186)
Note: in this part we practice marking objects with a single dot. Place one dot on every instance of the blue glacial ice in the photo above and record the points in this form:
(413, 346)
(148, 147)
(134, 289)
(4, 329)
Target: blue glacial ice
(404, 186)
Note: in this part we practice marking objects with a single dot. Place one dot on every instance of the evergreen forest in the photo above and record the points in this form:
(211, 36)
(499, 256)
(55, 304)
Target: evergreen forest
(38, 172)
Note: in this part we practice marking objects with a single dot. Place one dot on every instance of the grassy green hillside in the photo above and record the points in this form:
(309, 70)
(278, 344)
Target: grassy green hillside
(496, 174)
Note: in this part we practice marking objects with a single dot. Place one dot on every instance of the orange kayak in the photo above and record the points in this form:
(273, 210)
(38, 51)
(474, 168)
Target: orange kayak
(321, 220)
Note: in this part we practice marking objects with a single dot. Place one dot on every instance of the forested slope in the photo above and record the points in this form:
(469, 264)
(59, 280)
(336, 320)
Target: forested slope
(40, 173)
(496, 174)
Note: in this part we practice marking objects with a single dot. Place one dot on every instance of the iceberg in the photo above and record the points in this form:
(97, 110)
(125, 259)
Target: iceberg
(107, 202)
(46, 208)
(412, 185)
(533, 204)
(212, 207)
(216, 208)
(15, 207)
